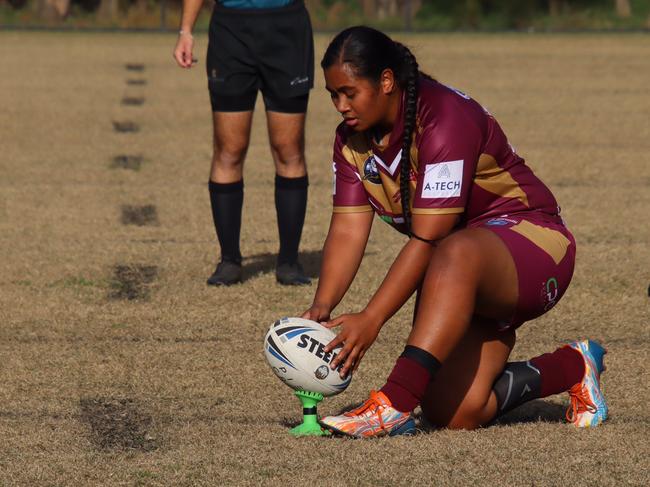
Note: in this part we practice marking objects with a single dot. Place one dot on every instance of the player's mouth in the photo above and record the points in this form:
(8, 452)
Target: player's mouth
(351, 122)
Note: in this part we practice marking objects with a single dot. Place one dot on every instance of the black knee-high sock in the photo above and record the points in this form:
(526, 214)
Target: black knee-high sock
(227, 201)
(290, 205)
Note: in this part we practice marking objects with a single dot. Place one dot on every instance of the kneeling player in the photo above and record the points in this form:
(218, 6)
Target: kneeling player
(487, 249)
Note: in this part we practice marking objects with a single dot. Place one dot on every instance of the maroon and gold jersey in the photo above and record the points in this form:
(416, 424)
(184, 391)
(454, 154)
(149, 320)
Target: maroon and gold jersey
(461, 162)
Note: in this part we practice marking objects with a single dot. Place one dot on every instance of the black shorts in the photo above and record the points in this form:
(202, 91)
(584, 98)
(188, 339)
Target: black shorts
(271, 50)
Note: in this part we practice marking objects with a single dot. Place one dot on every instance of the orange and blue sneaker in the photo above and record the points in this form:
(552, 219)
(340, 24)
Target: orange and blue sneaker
(375, 417)
(588, 407)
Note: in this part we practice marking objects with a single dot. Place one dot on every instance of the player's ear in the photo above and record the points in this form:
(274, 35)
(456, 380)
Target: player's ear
(387, 81)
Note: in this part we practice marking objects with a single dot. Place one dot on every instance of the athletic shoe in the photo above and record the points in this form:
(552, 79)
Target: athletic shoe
(291, 275)
(226, 274)
(375, 417)
(588, 407)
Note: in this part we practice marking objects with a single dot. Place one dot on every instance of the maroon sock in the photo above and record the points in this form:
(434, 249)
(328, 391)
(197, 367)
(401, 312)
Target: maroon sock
(406, 384)
(559, 370)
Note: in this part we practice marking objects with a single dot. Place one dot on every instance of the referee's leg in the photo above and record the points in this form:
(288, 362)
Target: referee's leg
(230, 144)
(287, 140)
(232, 132)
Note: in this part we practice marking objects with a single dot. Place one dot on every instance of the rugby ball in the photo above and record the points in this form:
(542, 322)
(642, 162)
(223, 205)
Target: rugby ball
(294, 348)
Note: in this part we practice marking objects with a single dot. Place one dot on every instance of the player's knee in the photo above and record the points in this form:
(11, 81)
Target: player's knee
(470, 415)
(456, 251)
(464, 423)
(229, 155)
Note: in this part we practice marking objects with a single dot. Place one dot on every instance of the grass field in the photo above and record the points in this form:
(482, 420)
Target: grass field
(119, 366)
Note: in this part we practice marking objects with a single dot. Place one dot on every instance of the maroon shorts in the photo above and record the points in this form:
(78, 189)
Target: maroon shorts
(544, 252)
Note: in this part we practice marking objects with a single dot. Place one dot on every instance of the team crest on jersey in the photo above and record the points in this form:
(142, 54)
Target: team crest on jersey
(370, 172)
(550, 292)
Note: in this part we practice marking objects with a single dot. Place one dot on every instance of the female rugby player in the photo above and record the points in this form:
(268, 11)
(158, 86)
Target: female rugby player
(486, 250)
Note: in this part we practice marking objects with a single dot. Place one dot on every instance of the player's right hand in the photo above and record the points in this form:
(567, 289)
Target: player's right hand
(317, 312)
(356, 334)
(183, 50)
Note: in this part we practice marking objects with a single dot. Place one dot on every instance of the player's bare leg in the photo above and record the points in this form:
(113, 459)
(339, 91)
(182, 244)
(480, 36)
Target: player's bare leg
(287, 140)
(461, 395)
(471, 283)
(471, 273)
(476, 383)
(230, 144)
(475, 271)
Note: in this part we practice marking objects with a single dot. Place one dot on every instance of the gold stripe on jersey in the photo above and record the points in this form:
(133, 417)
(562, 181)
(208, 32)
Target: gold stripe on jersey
(356, 152)
(352, 209)
(550, 241)
(436, 211)
(491, 177)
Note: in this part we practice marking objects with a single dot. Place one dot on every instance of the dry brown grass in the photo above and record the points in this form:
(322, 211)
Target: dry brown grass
(171, 388)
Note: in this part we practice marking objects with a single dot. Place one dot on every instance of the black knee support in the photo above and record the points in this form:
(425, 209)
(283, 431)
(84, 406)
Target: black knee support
(520, 382)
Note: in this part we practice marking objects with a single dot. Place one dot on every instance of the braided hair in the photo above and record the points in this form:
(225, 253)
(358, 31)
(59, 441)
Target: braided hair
(410, 110)
(369, 52)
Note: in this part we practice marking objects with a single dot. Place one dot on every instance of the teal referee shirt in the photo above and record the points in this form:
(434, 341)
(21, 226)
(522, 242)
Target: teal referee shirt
(254, 3)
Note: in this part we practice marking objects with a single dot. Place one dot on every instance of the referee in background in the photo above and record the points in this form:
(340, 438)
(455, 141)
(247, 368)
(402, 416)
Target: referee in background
(264, 45)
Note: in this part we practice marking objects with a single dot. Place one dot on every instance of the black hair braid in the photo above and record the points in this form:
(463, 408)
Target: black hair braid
(411, 75)
(369, 52)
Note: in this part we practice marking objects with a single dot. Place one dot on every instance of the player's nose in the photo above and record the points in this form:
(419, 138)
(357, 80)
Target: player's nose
(342, 107)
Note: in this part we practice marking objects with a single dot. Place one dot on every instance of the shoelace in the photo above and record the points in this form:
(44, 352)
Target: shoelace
(580, 403)
(374, 404)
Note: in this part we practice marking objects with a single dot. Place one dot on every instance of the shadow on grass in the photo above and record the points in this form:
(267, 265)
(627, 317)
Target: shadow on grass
(537, 411)
(290, 422)
(265, 262)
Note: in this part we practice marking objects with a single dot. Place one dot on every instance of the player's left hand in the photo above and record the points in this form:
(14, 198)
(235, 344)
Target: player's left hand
(357, 333)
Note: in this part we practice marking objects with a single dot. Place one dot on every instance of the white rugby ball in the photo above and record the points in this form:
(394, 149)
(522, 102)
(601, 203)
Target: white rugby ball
(294, 350)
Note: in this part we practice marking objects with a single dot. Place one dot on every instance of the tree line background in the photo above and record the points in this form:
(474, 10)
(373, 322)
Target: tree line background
(442, 15)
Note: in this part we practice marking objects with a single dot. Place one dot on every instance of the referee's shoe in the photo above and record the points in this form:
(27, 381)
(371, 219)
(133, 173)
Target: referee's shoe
(226, 274)
(291, 275)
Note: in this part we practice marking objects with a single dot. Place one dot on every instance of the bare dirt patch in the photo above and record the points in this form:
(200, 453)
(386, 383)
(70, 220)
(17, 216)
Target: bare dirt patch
(136, 82)
(124, 161)
(117, 424)
(133, 100)
(145, 215)
(125, 126)
(132, 282)
(139, 67)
